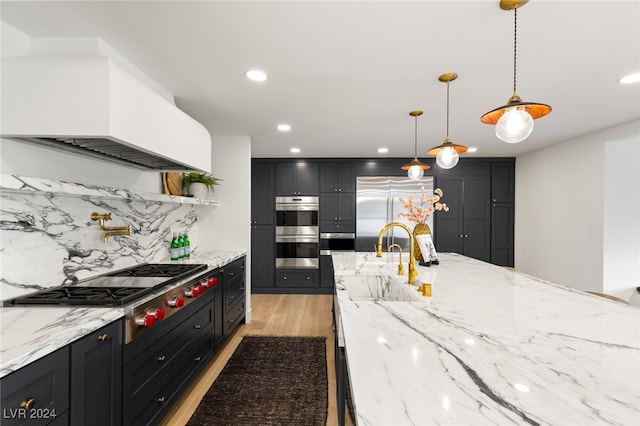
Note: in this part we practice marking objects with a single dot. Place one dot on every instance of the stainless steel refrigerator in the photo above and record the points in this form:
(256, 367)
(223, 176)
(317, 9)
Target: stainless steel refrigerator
(378, 205)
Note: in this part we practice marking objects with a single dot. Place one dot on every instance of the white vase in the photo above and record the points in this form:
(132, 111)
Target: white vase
(198, 190)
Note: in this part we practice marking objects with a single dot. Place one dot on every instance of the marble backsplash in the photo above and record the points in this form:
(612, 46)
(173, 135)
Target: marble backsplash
(47, 237)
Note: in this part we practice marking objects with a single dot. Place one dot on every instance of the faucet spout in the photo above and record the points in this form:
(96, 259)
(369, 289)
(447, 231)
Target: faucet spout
(412, 267)
(126, 230)
(111, 230)
(400, 265)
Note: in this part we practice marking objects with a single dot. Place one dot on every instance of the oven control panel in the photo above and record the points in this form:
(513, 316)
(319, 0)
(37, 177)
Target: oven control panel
(148, 314)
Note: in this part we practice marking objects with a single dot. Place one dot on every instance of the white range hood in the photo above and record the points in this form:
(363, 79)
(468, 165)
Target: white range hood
(89, 105)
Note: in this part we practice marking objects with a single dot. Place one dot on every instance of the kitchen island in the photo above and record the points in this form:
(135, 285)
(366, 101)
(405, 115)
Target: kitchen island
(490, 346)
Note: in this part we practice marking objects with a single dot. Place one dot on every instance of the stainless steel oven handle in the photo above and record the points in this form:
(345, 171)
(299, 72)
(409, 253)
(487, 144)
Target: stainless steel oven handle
(296, 239)
(329, 252)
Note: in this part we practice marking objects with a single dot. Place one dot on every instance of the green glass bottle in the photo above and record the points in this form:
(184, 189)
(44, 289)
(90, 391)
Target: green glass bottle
(175, 247)
(180, 247)
(186, 244)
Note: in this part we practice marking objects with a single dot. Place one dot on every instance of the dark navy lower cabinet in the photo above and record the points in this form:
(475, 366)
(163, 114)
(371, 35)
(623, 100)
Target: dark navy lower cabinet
(37, 394)
(96, 378)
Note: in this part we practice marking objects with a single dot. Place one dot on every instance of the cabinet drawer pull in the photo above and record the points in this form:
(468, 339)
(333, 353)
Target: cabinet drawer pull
(230, 297)
(231, 274)
(103, 337)
(28, 404)
(197, 326)
(161, 400)
(161, 358)
(197, 358)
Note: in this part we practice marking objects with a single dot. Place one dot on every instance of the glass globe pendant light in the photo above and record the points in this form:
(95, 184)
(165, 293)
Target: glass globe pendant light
(514, 121)
(415, 169)
(448, 153)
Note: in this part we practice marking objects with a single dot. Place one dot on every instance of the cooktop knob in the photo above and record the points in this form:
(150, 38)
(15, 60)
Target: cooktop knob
(176, 302)
(191, 292)
(157, 314)
(200, 289)
(144, 320)
(212, 282)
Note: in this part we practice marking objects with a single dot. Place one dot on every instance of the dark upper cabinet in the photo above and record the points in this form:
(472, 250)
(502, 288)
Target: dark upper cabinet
(502, 182)
(338, 212)
(96, 377)
(466, 227)
(262, 194)
(299, 178)
(337, 177)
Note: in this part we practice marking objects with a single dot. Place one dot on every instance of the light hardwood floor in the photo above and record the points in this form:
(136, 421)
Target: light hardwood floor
(272, 315)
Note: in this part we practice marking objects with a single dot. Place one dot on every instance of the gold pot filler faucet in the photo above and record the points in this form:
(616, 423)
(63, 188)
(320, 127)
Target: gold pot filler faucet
(412, 267)
(112, 230)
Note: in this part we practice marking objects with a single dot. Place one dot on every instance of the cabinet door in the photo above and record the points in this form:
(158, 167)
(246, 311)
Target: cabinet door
(262, 194)
(449, 235)
(96, 377)
(328, 177)
(307, 178)
(502, 234)
(502, 182)
(299, 178)
(286, 179)
(465, 228)
(328, 207)
(43, 385)
(347, 207)
(336, 177)
(477, 224)
(262, 256)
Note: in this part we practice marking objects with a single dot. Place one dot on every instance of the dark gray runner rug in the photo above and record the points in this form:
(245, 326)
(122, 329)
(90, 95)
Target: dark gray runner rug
(269, 381)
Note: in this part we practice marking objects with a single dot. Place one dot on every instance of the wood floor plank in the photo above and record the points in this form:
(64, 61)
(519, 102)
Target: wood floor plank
(272, 315)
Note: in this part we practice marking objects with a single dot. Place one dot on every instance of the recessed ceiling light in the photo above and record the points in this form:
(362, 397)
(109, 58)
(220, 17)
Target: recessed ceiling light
(256, 75)
(472, 149)
(284, 127)
(631, 78)
(295, 150)
(383, 150)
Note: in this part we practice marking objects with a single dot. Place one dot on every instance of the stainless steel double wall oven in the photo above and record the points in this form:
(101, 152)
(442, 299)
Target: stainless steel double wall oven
(297, 232)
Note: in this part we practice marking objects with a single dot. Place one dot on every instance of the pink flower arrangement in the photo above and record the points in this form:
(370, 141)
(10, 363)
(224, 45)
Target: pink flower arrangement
(419, 213)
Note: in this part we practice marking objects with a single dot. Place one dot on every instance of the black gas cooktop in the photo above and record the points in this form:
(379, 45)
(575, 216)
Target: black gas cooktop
(114, 288)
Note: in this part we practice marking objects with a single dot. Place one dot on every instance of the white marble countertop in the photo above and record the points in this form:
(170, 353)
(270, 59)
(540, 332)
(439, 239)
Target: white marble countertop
(29, 333)
(491, 346)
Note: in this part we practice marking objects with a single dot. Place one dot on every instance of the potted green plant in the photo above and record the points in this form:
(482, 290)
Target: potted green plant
(199, 184)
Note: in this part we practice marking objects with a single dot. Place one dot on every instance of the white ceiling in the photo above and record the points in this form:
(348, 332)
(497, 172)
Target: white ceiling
(345, 75)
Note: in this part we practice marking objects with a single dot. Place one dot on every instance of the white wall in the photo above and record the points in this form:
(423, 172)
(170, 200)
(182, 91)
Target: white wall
(228, 226)
(622, 215)
(561, 212)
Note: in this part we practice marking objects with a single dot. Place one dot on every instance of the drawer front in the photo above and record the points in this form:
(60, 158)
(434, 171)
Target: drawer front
(297, 278)
(234, 293)
(154, 404)
(234, 269)
(42, 388)
(148, 368)
(233, 317)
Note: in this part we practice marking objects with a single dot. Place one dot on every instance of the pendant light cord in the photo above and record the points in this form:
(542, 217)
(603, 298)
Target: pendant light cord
(515, 46)
(447, 110)
(415, 139)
